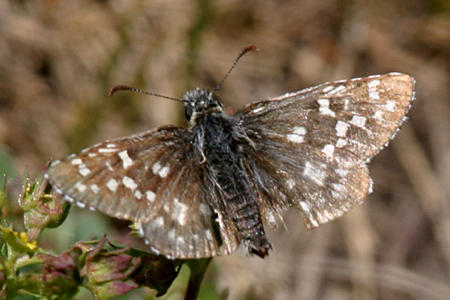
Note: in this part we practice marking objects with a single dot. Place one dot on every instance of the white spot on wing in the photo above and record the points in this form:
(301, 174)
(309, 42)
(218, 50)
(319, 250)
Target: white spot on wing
(80, 187)
(84, 171)
(126, 160)
(68, 198)
(80, 204)
(164, 171)
(300, 130)
(298, 134)
(341, 128)
(314, 173)
(324, 107)
(390, 105)
(346, 103)
(108, 166)
(295, 138)
(171, 235)
(359, 121)
(340, 188)
(107, 150)
(328, 150)
(129, 182)
(204, 209)
(179, 211)
(112, 185)
(150, 196)
(341, 143)
(156, 167)
(180, 242)
(158, 222)
(76, 161)
(257, 110)
(373, 91)
(208, 234)
(378, 115)
(342, 172)
(138, 194)
(290, 183)
(152, 249)
(94, 188)
(305, 206)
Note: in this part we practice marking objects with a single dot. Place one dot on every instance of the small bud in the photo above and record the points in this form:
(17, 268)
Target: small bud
(108, 272)
(59, 274)
(41, 208)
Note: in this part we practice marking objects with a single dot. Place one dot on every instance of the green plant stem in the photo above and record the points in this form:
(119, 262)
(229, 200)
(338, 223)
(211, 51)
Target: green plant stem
(198, 270)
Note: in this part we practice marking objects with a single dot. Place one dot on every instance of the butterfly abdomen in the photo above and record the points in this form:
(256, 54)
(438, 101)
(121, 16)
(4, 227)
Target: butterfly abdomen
(223, 165)
(247, 219)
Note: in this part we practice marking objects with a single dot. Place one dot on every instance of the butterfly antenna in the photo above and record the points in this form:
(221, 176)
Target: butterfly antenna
(118, 88)
(243, 51)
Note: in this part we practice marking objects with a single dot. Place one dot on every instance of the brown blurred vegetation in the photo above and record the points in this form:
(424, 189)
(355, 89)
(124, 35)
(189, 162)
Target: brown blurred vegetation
(59, 58)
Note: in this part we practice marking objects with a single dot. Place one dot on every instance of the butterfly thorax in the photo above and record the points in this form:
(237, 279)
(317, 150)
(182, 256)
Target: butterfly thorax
(218, 142)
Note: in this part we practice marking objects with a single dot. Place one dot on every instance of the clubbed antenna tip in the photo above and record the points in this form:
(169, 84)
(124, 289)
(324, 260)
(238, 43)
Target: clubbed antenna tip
(119, 88)
(242, 53)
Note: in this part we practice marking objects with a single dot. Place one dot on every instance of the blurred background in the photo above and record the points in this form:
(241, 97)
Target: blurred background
(59, 58)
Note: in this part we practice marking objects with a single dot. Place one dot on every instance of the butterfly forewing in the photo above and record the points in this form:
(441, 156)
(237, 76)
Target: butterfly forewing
(344, 121)
(104, 176)
(152, 179)
(311, 146)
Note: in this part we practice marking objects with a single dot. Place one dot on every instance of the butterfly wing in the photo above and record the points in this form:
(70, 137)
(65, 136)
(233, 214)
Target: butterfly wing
(152, 179)
(311, 147)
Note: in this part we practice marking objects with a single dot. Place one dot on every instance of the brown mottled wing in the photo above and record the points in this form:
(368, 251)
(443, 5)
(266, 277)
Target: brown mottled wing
(152, 179)
(311, 147)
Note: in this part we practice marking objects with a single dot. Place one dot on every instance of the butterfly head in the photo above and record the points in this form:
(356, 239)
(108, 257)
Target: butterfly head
(198, 102)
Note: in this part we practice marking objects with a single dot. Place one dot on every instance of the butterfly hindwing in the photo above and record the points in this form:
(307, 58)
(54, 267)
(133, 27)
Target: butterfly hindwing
(321, 192)
(178, 226)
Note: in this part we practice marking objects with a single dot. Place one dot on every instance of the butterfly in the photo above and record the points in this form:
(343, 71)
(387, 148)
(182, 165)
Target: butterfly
(203, 190)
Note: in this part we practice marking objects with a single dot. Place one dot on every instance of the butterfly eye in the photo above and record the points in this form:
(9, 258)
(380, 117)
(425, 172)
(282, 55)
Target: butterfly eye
(188, 111)
(215, 104)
